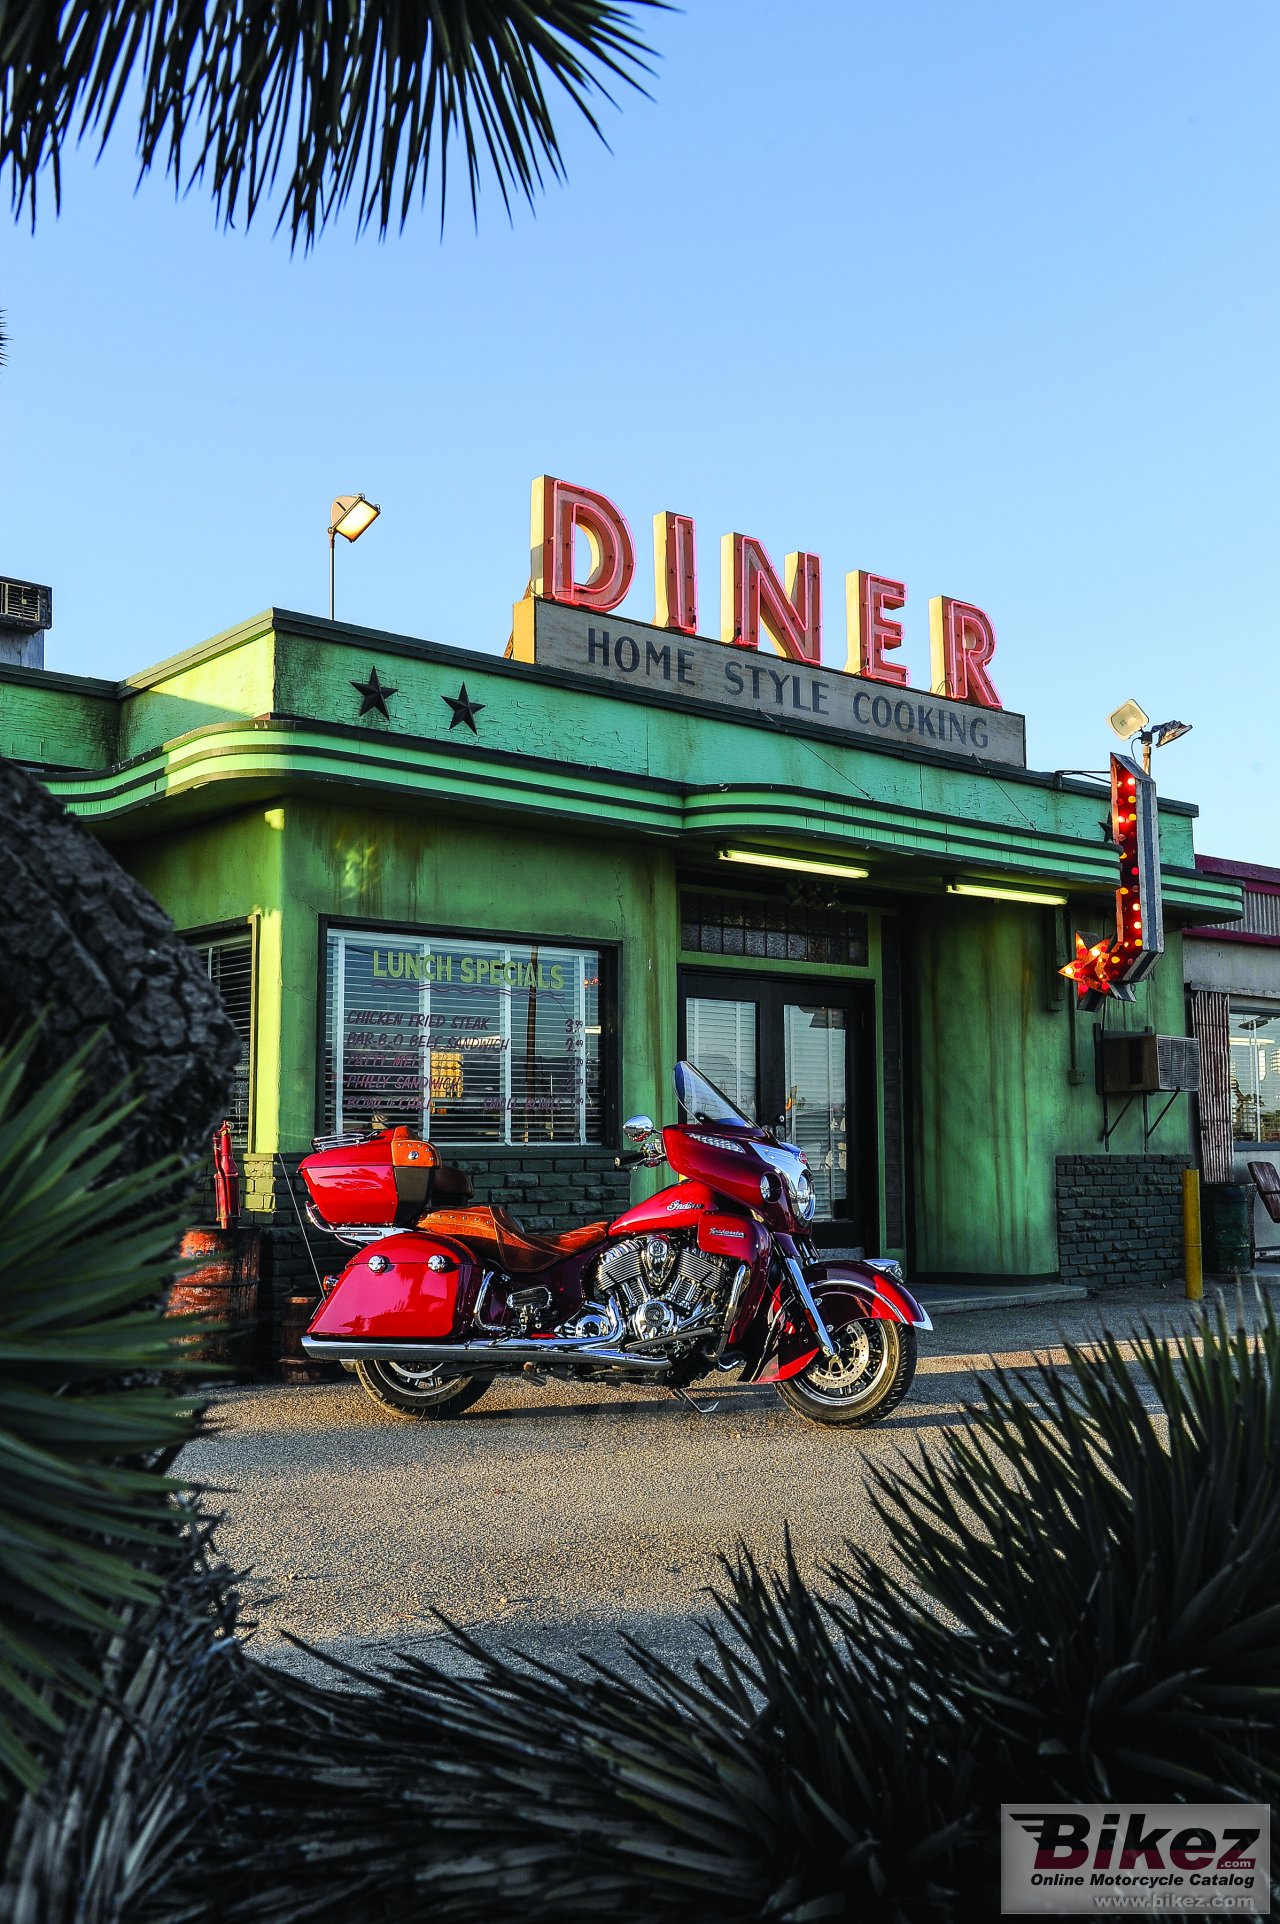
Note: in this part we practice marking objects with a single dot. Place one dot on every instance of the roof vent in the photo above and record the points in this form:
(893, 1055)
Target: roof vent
(26, 610)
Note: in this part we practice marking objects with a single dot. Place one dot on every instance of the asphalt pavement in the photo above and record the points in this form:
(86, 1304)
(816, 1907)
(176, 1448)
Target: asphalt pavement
(554, 1520)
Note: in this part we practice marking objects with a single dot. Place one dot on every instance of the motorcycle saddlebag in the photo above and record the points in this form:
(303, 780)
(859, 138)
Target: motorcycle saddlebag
(391, 1179)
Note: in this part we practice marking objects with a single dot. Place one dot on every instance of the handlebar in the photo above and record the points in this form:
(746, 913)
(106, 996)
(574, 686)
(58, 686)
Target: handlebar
(630, 1158)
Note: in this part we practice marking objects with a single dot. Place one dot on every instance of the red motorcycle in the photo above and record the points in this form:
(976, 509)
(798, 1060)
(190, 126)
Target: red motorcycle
(713, 1274)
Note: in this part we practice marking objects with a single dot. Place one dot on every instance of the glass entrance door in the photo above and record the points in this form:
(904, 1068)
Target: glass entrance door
(815, 1059)
(796, 1055)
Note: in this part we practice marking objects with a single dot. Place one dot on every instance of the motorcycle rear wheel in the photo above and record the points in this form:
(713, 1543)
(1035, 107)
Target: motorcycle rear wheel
(418, 1396)
(876, 1364)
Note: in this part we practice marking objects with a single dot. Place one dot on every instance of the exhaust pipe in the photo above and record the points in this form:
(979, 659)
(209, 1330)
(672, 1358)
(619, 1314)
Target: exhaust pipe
(469, 1357)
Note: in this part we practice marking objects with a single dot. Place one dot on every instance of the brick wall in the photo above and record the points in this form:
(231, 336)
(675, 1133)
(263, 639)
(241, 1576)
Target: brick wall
(1120, 1219)
(543, 1192)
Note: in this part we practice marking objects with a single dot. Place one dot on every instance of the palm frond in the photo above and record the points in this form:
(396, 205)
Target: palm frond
(84, 1420)
(334, 102)
(124, 1806)
(1102, 1551)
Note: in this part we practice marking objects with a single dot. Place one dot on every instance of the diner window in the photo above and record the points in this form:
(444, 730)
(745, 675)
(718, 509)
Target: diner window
(470, 1043)
(228, 962)
(1255, 1075)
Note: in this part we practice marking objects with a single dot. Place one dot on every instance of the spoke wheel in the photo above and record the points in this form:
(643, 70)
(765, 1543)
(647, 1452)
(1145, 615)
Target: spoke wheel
(868, 1377)
(417, 1394)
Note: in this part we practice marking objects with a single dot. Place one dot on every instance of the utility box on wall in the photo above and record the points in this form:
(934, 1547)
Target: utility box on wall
(1146, 1063)
(26, 610)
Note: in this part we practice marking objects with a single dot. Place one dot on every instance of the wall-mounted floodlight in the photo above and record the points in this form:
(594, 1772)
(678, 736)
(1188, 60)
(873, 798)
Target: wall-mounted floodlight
(349, 516)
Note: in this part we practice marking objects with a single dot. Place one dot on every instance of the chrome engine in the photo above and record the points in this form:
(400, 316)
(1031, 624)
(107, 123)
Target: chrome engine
(661, 1287)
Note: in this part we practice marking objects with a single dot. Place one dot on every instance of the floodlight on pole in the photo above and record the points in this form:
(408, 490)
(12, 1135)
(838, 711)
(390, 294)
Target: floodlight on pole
(1131, 722)
(1157, 736)
(1127, 719)
(349, 516)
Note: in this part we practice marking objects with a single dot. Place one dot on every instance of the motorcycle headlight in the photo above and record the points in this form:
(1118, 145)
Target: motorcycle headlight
(793, 1175)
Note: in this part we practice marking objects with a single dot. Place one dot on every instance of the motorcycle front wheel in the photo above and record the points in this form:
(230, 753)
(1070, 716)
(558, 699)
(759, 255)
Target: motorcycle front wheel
(417, 1394)
(869, 1377)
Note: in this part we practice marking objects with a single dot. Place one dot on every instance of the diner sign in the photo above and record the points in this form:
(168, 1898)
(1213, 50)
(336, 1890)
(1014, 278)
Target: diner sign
(655, 663)
(564, 622)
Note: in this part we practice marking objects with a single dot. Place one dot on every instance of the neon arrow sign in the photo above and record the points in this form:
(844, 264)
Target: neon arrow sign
(1110, 968)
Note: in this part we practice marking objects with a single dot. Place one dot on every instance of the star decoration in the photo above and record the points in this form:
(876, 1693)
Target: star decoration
(464, 709)
(374, 696)
(1093, 967)
(1098, 971)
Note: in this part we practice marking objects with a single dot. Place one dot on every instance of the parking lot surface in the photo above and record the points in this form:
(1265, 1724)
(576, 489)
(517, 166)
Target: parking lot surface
(556, 1519)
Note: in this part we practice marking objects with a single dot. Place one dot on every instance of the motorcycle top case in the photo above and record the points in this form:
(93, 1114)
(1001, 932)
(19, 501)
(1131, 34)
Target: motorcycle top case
(399, 1287)
(389, 1179)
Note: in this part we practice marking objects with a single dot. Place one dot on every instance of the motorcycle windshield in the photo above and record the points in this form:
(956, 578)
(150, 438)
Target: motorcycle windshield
(702, 1101)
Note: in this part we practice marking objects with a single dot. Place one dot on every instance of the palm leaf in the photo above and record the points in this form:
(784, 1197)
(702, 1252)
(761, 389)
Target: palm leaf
(1106, 1542)
(333, 103)
(85, 1426)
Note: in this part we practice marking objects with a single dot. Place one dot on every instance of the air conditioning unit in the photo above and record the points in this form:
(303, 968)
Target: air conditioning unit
(1145, 1064)
(25, 604)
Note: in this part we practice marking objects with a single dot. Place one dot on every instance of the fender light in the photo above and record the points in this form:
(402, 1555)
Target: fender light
(886, 1266)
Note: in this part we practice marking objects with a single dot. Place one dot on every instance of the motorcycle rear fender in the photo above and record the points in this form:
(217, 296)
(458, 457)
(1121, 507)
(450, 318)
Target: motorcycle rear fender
(409, 1297)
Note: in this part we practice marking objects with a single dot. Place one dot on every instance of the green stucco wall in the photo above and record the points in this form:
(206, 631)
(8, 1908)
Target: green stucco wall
(59, 721)
(993, 1102)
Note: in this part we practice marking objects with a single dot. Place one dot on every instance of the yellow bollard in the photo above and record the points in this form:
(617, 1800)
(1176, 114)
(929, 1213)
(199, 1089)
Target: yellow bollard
(1193, 1259)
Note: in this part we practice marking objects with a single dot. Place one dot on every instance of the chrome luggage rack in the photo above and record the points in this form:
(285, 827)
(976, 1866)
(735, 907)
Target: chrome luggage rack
(354, 1233)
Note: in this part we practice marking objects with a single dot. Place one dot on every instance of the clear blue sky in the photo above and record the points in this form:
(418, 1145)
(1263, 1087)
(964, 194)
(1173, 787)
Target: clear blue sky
(981, 296)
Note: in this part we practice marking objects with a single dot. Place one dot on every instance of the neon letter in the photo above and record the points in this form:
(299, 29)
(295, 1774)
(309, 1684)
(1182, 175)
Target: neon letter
(961, 643)
(557, 511)
(675, 579)
(871, 633)
(753, 602)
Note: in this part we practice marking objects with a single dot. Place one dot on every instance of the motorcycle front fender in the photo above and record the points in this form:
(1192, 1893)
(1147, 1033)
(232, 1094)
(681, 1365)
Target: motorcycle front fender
(408, 1286)
(876, 1295)
(845, 1293)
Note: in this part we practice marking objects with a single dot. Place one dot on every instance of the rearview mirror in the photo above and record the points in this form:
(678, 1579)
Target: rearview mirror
(638, 1128)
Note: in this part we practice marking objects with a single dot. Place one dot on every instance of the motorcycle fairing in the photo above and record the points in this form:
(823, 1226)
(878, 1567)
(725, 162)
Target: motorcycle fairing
(406, 1297)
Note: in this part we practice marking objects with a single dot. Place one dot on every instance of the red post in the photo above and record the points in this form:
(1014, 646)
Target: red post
(226, 1178)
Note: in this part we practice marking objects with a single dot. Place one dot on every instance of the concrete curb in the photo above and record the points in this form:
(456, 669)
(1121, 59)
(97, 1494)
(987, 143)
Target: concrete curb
(955, 1302)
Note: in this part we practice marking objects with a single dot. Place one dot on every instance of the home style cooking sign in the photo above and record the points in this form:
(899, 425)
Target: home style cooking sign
(569, 624)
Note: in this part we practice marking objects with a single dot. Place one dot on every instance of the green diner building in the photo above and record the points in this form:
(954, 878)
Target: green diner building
(497, 896)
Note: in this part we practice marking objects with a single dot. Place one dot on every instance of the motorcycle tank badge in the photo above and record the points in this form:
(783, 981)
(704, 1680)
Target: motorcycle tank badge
(714, 1274)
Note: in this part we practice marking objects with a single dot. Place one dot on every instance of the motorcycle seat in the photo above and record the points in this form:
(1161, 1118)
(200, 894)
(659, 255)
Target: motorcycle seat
(498, 1238)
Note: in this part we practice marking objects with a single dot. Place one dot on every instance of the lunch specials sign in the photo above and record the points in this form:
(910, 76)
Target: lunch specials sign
(769, 659)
